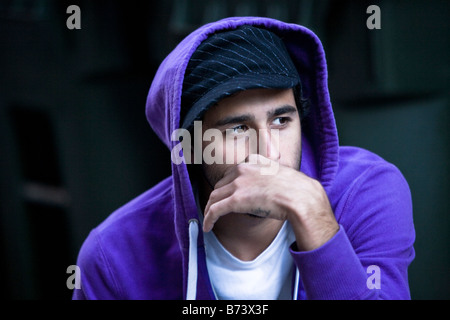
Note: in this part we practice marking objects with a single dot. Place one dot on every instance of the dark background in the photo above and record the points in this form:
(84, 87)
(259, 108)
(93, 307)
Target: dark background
(75, 144)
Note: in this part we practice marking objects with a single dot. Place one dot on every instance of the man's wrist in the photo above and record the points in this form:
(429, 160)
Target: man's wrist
(313, 225)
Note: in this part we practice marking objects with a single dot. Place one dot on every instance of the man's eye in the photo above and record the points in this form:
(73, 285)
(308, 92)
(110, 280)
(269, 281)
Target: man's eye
(280, 121)
(239, 129)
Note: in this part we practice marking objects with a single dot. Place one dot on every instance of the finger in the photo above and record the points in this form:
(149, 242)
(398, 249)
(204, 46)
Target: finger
(229, 175)
(232, 203)
(215, 212)
(218, 195)
(255, 158)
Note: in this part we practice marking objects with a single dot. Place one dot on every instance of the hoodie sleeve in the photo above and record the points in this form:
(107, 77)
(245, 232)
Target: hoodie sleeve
(97, 280)
(369, 256)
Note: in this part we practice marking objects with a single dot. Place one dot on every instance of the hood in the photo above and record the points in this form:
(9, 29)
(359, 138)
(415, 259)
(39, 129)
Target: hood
(319, 135)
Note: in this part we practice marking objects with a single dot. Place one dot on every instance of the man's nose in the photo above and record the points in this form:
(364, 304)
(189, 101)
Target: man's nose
(269, 144)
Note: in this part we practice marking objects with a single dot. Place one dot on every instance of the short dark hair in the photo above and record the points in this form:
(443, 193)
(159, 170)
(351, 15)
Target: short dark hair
(303, 104)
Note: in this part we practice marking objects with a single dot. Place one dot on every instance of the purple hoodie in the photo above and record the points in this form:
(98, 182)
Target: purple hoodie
(152, 247)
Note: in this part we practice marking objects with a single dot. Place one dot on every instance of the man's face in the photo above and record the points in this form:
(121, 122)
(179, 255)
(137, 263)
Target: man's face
(270, 114)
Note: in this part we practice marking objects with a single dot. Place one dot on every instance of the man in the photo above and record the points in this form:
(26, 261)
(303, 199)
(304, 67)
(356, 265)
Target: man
(328, 222)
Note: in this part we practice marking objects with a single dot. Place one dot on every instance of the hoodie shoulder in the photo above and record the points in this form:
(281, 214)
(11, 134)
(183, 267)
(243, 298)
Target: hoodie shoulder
(127, 256)
(372, 201)
(365, 173)
(148, 203)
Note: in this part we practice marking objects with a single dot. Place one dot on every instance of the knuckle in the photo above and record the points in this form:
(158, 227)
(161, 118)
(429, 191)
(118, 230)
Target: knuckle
(240, 168)
(213, 195)
(212, 210)
(236, 198)
(234, 184)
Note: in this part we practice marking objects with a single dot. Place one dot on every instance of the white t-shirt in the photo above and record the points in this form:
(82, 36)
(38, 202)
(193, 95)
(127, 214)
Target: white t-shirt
(268, 277)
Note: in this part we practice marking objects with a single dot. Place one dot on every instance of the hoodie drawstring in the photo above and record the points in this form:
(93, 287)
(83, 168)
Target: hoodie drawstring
(296, 283)
(191, 292)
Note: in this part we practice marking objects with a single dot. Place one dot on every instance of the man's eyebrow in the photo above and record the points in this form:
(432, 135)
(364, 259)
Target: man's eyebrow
(235, 119)
(281, 110)
(285, 109)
